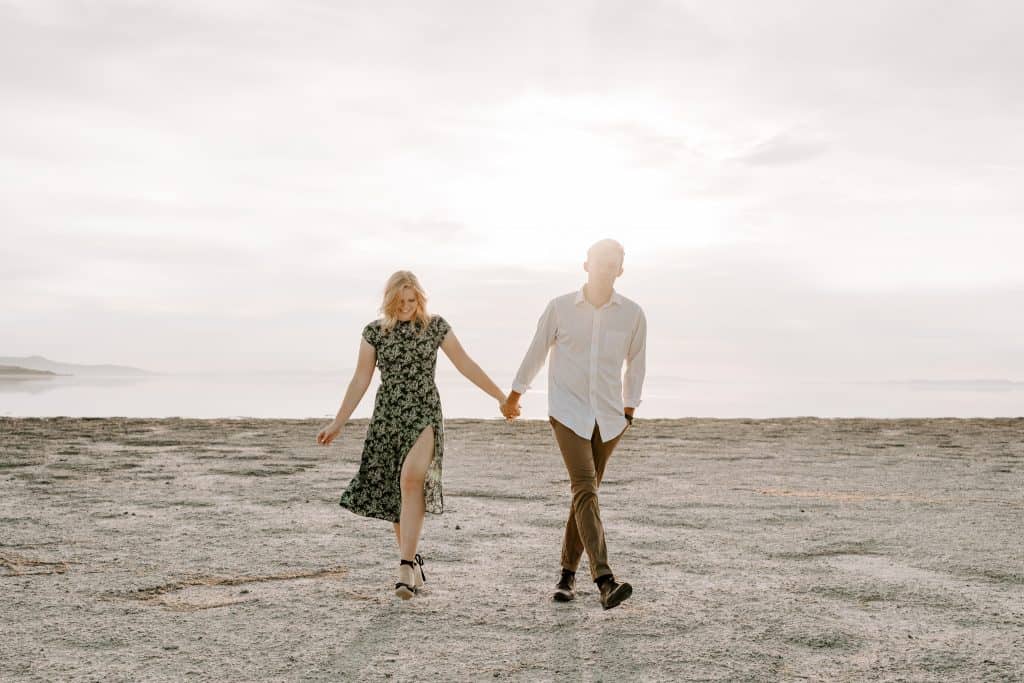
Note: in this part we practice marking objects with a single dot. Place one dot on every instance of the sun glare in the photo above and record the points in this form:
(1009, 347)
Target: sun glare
(552, 189)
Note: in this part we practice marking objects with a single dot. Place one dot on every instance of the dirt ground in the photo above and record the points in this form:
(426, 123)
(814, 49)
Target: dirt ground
(804, 549)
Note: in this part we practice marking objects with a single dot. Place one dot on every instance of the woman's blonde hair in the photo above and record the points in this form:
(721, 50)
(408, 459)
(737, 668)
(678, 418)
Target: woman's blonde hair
(392, 301)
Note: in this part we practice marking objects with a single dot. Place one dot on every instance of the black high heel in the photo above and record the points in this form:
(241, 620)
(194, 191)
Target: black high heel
(402, 589)
(421, 578)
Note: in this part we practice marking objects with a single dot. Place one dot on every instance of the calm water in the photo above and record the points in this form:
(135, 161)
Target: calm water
(308, 395)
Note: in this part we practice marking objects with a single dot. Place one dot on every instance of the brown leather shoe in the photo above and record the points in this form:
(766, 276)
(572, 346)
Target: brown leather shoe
(614, 593)
(565, 591)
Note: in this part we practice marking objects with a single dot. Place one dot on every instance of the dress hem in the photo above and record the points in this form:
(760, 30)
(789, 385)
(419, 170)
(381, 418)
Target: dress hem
(385, 519)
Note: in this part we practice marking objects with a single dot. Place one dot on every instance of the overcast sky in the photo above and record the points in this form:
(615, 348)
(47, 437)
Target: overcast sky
(808, 190)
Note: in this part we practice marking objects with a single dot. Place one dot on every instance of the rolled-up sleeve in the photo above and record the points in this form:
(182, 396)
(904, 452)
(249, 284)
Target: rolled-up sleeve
(537, 354)
(636, 364)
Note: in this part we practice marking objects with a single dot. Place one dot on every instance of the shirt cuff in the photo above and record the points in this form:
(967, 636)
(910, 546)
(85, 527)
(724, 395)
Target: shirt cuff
(520, 388)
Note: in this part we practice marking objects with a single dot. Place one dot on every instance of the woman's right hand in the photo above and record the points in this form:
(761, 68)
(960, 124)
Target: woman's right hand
(326, 435)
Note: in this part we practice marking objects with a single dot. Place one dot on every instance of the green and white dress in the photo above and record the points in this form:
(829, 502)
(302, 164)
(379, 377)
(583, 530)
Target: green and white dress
(407, 402)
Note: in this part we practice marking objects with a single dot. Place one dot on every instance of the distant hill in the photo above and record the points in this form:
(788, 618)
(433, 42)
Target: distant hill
(46, 365)
(15, 371)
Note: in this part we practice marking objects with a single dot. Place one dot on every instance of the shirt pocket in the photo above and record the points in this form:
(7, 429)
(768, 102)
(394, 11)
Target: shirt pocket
(614, 345)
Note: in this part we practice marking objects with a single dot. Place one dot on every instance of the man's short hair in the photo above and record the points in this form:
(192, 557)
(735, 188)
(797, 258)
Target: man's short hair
(607, 246)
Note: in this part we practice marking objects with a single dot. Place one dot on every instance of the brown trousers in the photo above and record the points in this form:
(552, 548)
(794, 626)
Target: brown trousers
(584, 460)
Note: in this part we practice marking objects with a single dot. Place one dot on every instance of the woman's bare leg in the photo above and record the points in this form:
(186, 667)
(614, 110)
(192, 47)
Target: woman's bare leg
(398, 534)
(414, 472)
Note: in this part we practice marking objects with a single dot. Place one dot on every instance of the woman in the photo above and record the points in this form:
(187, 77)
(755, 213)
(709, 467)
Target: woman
(399, 476)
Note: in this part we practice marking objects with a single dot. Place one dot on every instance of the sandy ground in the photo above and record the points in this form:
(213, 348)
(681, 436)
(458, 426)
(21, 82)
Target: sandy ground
(759, 550)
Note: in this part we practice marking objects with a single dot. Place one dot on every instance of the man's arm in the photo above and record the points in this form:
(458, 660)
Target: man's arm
(536, 355)
(636, 366)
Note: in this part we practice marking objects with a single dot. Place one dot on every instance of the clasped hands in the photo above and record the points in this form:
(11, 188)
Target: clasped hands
(510, 408)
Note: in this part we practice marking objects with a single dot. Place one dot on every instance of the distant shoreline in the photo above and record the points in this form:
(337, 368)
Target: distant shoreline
(17, 371)
(45, 366)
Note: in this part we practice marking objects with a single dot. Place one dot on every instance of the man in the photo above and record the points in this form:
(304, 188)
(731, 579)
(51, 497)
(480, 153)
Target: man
(590, 334)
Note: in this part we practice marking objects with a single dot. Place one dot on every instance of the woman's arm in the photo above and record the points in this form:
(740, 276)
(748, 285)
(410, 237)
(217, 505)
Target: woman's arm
(468, 367)
(356, 389)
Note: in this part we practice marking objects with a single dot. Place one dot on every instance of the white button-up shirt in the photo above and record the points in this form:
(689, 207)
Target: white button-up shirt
(588, 348)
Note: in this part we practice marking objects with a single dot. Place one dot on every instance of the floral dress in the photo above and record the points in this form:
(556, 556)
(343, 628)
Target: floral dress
(407, 403)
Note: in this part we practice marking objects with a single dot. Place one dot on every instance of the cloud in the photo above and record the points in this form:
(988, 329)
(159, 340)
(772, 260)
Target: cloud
(646, 145)
(744, 311)
(728, 313)
(174, 161)
(433, 231)
(783, 149)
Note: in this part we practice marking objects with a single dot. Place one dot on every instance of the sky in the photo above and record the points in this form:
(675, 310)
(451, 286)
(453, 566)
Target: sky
(805, 190)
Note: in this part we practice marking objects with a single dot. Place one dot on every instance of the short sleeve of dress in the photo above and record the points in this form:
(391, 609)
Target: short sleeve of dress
(441, 328)
(371, 334)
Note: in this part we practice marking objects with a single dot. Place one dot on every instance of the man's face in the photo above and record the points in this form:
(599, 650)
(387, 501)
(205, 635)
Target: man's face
(603, 265)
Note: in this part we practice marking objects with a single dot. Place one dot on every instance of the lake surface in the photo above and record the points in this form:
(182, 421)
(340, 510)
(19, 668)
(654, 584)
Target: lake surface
(312, 395)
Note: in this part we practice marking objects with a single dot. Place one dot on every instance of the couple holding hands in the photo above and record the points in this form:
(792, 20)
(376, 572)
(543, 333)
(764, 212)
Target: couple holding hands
(589, 333)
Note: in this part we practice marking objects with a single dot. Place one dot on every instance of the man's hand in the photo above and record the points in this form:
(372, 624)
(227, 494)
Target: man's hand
(510, 408)
(509, 411)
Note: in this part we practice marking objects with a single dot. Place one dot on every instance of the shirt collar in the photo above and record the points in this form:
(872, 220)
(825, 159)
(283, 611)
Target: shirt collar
(616, 297)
